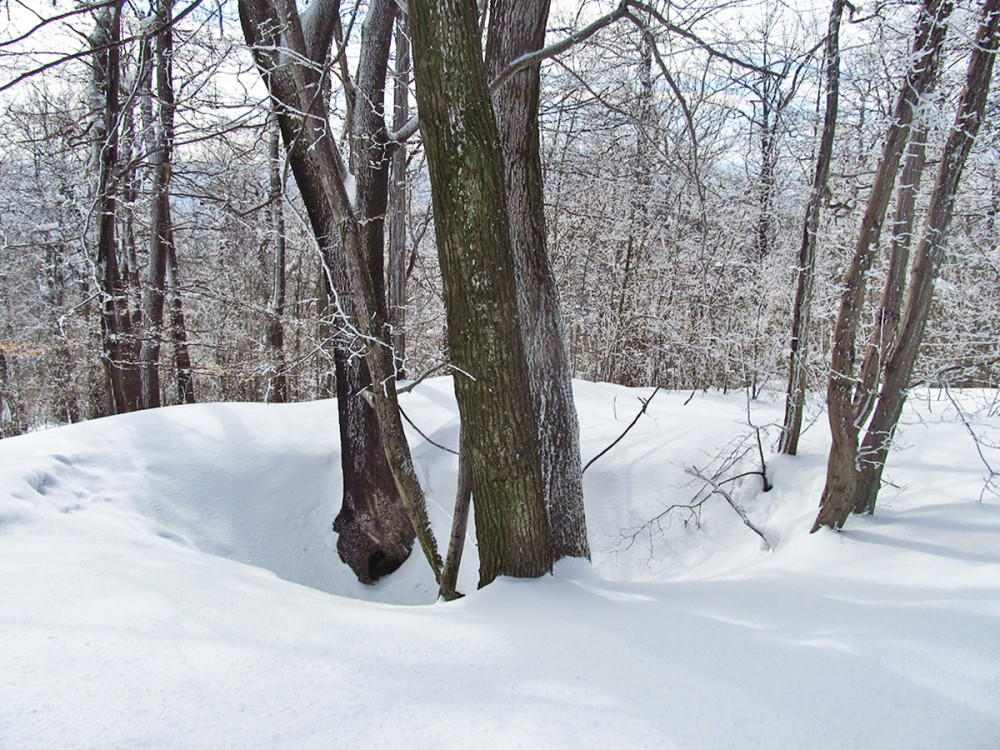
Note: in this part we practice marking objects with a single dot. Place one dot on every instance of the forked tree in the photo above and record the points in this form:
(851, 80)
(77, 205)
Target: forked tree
(854, 471)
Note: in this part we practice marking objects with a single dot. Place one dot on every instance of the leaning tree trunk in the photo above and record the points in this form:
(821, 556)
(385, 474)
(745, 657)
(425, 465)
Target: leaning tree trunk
(516, 28)
(383, 501)
(492, 383)
(806, 271)
(929, 256)
(842, 469)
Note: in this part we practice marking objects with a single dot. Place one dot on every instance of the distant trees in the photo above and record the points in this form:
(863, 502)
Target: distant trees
(628, 206)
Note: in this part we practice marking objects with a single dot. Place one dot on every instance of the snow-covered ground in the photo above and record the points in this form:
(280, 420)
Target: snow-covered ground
(169, 579)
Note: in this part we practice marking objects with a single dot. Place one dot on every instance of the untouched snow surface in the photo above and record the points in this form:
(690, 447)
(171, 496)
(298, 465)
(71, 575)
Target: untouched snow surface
(170, 579)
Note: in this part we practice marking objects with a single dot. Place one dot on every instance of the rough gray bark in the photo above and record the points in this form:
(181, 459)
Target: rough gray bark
(842, 473)
(492, 384)
(806, 271)
(277, 379)
(517, 27)
(383, 502)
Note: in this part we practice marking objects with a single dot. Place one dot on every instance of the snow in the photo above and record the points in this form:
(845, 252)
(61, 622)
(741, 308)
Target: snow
(170, 579)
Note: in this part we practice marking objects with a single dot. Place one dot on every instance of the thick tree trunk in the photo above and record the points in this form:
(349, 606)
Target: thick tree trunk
(806, 272)
(376, 529)
(492, 384)
(516, 28)
(836, 503)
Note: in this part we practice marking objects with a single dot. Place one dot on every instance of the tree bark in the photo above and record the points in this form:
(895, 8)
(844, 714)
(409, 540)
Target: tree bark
(378, 521)
(517, 27)
(928, 258)
(806, 272)
(492, 384)
(397, 276)
(277, 379)
(119, 351)
(161, 229)
(842, 469)
(178, 331)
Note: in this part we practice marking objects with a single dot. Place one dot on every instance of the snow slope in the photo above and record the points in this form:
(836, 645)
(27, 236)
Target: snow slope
(170, 579)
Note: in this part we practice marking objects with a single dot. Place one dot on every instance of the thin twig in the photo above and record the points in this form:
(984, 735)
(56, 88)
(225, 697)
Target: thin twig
(645, 405)
(718, 490)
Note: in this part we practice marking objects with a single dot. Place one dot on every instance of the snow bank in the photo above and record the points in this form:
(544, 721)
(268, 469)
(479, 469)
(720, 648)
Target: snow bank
(170, 579)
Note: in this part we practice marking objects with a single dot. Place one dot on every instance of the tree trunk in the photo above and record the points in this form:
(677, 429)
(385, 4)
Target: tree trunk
(378, 521)
(459, 525)
(277, 379)
(928, 258)
(178, 331)
(397, 202)
(837, 501)
(806, 272)
(161, 231)
(517, 27)
(118, 341)
(492, 384)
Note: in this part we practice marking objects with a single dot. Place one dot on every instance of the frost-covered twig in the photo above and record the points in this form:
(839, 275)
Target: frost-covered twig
(991, 479)
(718, 490)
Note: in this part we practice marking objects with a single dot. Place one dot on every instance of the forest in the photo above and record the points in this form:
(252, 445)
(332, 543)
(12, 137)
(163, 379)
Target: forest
(499, 373)
(257, 202)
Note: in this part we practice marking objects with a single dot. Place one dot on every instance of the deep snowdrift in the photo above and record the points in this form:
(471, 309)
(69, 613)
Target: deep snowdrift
(170, 579)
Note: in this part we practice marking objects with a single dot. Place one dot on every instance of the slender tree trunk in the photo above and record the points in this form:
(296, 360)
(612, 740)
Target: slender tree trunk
(517, 27)
(459, 525)
(277, 379)
(806, 272)
(118, 341)
(890, 308)
(161, 230)
(397, 202)
(178, 331)
(499, 427)
(842, 469)
(928, 258)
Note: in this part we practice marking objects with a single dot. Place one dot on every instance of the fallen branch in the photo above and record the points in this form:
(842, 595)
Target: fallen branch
(645, 405)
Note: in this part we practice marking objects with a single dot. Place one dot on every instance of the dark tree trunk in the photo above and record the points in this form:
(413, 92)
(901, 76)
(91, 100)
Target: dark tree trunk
(806, 272)
(378, 519)
(838, 497)
(161, 228)
(178, 331)
(119, 350)
(492, 384)
(516, 28)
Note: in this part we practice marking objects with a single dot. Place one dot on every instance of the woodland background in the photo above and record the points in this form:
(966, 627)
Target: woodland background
(675, 186)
